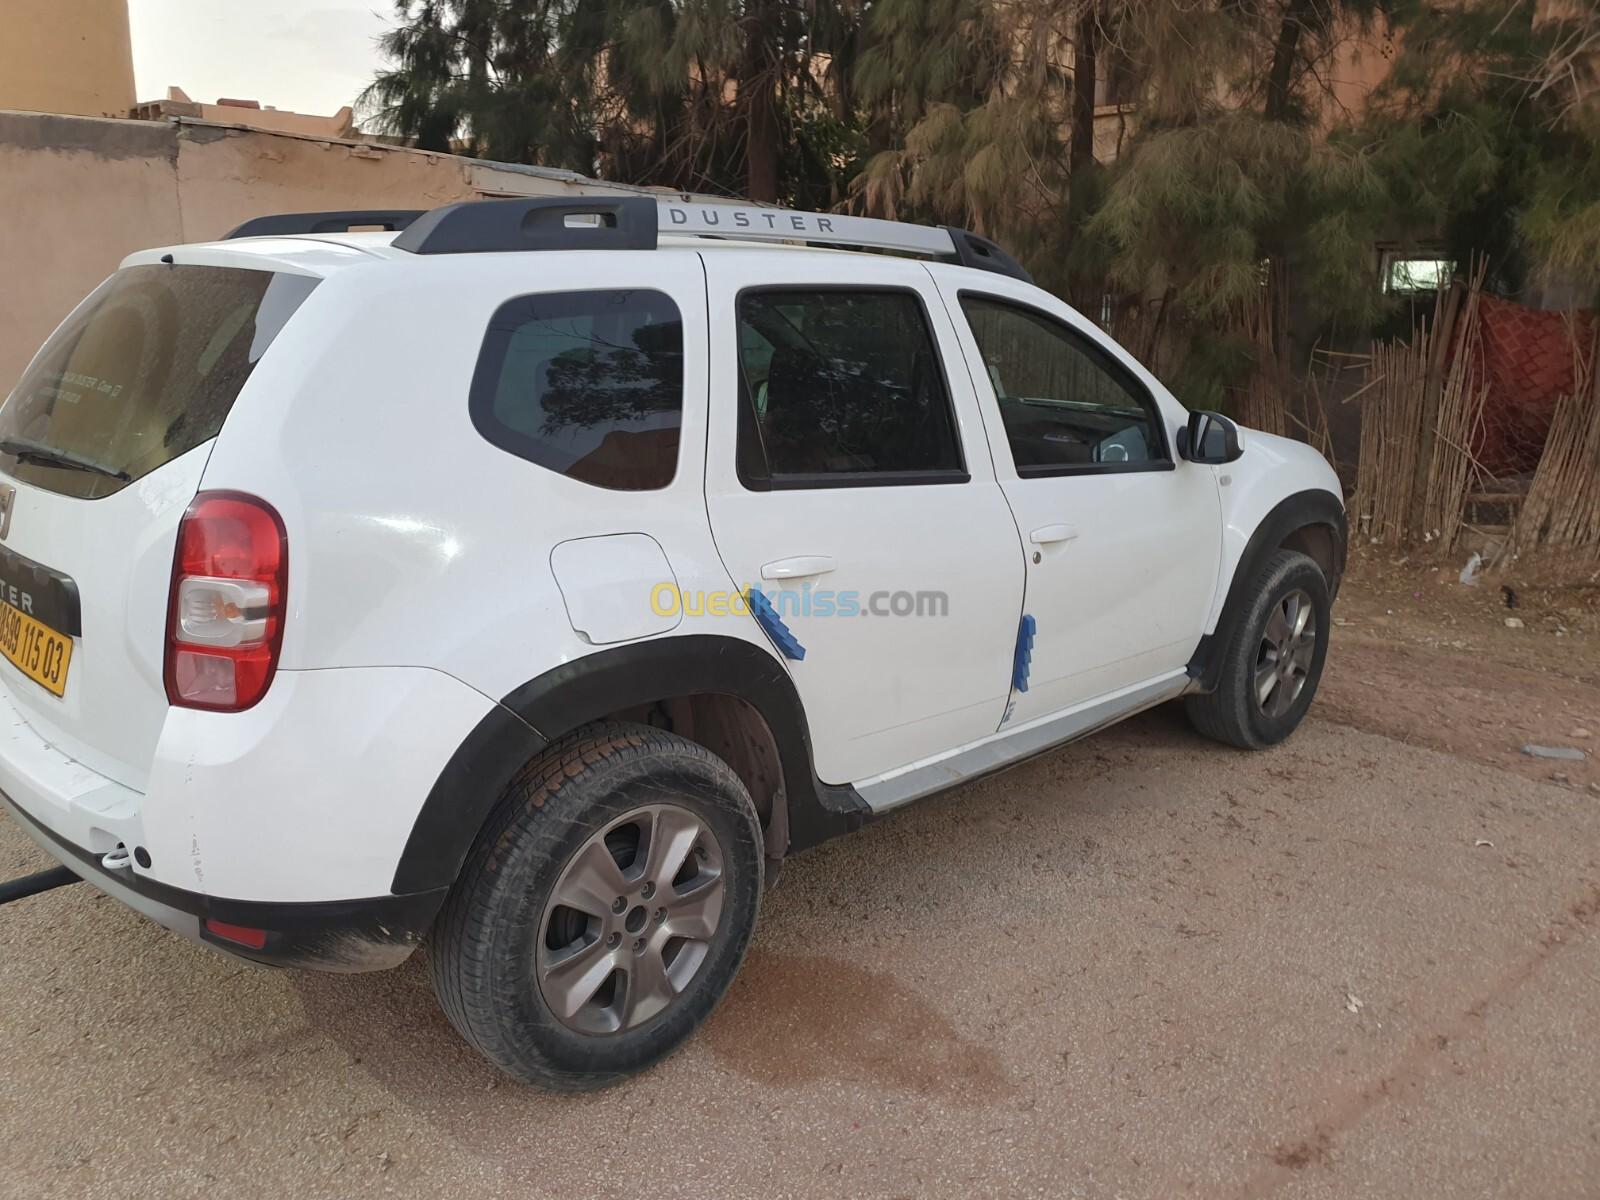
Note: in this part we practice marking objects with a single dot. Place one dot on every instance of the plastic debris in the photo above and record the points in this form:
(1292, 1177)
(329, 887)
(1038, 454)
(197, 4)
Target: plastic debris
(1484, 842)
(1469, 573)
(1513, 622)
(1569, 753)
(1352, 1002)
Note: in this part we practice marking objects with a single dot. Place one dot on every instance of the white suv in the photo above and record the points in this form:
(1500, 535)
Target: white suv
(532, 576)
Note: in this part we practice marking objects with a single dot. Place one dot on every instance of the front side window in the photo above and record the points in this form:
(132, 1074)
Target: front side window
(145, 370)
(1065, 404)
(586, 384)
(841, 387)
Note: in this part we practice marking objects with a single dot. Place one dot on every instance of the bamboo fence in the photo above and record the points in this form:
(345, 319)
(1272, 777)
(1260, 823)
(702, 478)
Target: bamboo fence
(1387, 461)
(1263, 402)
(1562, 510)
(1457, 418)
(1422, 406)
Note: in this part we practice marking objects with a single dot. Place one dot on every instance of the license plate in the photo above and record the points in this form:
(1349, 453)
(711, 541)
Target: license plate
(35, 649)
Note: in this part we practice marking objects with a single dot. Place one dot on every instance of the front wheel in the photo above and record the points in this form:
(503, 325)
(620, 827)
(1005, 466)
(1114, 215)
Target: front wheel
(1273, 660)
(604, 909)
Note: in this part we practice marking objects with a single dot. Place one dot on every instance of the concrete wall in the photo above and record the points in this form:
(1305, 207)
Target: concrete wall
(66, 56)
(78, 194)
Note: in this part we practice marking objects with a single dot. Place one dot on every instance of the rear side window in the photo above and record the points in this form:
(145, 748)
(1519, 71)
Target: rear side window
(145, 370)
(841, 388)
(586, 384)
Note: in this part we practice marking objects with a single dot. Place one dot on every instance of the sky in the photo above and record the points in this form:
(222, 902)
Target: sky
(312, 56)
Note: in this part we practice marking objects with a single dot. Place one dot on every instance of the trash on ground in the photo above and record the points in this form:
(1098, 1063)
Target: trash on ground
(1569, 753)
(1469, 573)
(1352, 1002)
(1513, 622)
(1484, 842)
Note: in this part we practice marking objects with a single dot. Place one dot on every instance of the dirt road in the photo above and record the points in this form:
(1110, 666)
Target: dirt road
(1141, 966)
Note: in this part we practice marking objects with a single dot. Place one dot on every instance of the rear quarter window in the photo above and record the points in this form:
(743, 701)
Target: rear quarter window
(144, 371)
(586, 384)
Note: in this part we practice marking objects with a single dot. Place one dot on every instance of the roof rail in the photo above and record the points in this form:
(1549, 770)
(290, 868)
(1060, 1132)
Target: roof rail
(287, 224)
(636, 223)
(541, 223)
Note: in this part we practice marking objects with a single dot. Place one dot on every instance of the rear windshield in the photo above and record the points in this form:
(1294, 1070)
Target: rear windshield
(144, 371)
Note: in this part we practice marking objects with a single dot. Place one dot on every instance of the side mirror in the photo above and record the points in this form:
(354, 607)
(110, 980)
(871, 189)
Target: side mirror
(1209, 438)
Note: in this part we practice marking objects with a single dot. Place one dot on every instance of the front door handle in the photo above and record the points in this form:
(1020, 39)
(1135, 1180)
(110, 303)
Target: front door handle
(802, 567)
(1046, 534)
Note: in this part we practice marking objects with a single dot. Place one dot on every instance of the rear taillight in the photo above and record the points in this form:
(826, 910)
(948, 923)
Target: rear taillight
(225, 619)
(244, 935)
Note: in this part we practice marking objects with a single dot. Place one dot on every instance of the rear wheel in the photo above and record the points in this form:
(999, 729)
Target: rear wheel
(604, 910)
(1273, 661)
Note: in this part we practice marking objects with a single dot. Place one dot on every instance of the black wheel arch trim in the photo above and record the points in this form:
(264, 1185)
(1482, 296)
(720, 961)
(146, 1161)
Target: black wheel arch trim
(576, 693)
(1313, 507)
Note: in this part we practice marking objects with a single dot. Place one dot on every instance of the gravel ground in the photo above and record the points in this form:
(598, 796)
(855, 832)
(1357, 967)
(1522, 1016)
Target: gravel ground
(1140, 966)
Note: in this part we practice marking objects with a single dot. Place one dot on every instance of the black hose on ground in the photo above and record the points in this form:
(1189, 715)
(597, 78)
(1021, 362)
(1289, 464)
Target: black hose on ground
(32, 885)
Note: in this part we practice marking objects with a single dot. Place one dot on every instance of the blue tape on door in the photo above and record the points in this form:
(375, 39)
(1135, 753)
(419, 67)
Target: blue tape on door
(767, 617)
(1023, 658)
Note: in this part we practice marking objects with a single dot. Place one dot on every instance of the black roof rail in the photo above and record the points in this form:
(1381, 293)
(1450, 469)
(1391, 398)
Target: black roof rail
(539, 223)
(287, 224)
(974, 250)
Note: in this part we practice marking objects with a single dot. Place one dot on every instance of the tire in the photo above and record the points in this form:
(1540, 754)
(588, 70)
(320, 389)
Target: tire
(1234, 713)
(510, 961)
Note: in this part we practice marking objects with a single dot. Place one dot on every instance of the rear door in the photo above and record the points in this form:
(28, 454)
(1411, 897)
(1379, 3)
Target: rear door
(102, 446)
(1123, 539)
(849, 481)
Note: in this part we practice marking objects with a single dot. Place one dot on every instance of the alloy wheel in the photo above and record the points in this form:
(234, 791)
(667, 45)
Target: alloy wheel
(1288, 645)
(630, 920)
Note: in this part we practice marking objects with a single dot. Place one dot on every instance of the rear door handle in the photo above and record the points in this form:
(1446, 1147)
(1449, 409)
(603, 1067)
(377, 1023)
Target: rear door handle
(802, 567)
(1046, 534)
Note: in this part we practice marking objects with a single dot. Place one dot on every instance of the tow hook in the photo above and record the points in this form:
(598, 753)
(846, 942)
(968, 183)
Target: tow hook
(31, 885)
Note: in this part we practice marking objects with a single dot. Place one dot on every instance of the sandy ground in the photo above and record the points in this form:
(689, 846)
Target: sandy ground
(1364, 964)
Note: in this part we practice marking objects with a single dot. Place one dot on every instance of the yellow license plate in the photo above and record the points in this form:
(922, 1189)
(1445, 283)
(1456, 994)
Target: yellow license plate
(35, 649)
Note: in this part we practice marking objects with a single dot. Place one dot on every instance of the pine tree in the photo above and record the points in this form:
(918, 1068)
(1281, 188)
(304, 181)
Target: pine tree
(1489, 128)
(743, 97)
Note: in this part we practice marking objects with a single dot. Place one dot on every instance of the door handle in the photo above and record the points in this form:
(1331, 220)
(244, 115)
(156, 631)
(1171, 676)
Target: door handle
(1046, 534)
(802, 567)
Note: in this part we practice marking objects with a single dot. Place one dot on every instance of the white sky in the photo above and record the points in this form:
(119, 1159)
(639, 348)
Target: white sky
(312, 56)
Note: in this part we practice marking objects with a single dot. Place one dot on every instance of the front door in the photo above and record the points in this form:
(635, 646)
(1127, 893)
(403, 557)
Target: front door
(849, 480)
(1122, 539)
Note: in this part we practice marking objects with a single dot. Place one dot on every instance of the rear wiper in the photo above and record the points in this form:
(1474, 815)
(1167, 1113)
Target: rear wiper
(24, 450)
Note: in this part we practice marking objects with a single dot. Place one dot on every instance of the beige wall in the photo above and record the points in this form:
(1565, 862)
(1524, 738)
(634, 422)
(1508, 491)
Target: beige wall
(77, 195)
(250, 115)
(66, 56)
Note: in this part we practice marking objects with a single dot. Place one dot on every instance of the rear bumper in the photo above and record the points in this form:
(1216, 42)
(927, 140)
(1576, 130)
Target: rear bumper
(340, 935)
(304, 804)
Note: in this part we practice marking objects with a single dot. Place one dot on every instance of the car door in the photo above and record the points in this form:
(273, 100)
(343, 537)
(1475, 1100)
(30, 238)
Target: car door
(1122, 538)
(849, 482)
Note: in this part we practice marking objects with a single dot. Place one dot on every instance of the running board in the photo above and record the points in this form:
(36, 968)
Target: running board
(1007, 749)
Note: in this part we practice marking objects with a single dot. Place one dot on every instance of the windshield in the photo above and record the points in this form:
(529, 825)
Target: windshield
(144, 371)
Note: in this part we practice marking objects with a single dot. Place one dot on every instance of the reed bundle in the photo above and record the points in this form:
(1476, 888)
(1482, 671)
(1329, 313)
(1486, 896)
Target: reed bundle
(1422, 406)
(1562, 511)
(1387, 466)
(1457, 419)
